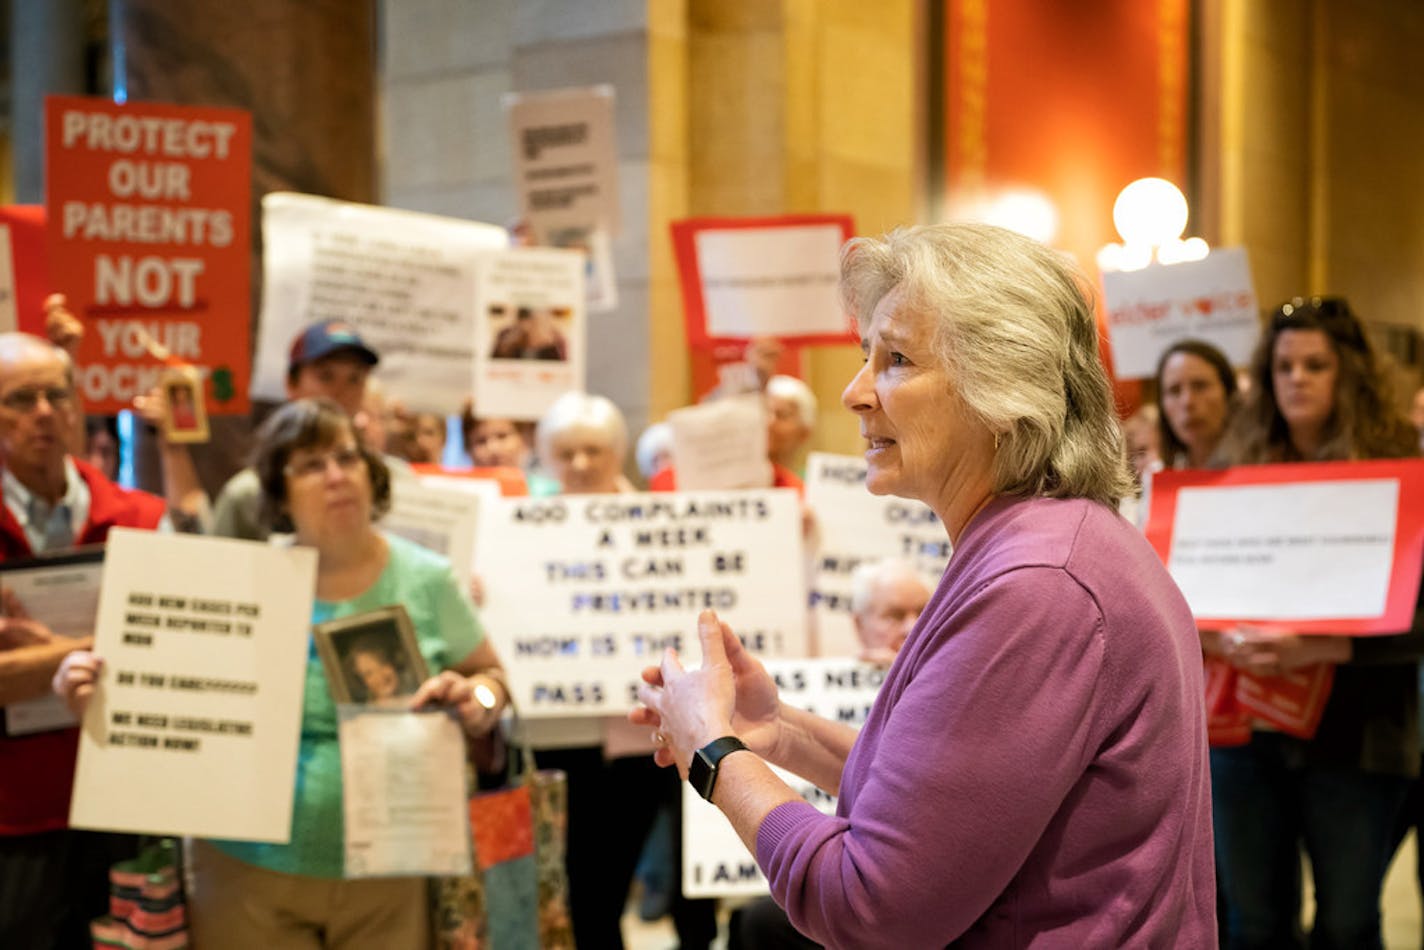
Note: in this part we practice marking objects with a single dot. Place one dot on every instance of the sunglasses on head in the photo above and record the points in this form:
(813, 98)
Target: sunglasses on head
(1333, 314)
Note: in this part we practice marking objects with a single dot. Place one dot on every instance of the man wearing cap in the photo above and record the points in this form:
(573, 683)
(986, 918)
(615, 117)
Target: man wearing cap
(328, 360)
(52, 880)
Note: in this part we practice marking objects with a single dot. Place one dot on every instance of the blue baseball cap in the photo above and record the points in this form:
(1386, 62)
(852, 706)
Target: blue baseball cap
(325, 338)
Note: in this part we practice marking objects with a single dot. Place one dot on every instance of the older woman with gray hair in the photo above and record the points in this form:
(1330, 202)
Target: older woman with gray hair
(1034, 771)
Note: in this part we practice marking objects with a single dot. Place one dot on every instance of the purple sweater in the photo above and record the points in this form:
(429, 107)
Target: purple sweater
(1034, 771)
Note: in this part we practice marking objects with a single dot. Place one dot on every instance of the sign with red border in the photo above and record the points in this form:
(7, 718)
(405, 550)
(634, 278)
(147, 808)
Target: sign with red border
(774, 276)
(1252, 551)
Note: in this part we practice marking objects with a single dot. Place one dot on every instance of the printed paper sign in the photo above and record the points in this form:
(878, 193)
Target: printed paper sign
(565, 163)
(1150, 309)
(715, 863)
(148, 238)
(856, 526)
(721, 444)
(1253, 544)
(193, 727)
(404, 280)
(749, 277)
(403, 793)
(529, 331)
(583, 591)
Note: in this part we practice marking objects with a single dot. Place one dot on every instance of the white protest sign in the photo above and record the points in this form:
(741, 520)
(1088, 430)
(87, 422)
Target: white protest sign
(529, 331)
(721, 444)
(583, 591)
(856, 526)
(1150, 309)
(565, 162)
(403, 793)
(405, 281)
(1259, 551)
(773, 281)
(193, 727)
(436, 517)
(715, 863)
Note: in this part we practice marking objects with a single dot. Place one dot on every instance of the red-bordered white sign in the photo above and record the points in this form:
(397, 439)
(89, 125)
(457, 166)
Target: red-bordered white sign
(1329, 548)
(776, 276)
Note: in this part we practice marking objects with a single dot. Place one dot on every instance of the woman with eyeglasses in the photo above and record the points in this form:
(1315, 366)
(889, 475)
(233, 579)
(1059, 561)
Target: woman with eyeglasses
(320, 483)
(1317, 394)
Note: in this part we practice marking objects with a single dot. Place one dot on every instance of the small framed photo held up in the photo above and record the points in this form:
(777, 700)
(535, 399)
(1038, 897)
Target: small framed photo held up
(371, 657)
(186, 416)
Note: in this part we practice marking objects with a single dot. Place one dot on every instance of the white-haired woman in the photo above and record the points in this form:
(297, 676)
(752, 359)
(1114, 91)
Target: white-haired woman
(790, 420)
(1033, 772)
(582, 440)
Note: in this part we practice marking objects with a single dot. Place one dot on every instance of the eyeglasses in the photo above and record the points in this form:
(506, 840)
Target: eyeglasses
(27, 400)
(347, 458)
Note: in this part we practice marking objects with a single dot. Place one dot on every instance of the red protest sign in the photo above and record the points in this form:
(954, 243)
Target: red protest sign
(749, 277)
(1240, 541)
(149, 223)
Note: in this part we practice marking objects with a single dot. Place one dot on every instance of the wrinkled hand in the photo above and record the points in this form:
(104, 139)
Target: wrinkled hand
(731, 694)
(62, 327)
(1263, 652)
(463, 694)
(75, 679)
(763, 353)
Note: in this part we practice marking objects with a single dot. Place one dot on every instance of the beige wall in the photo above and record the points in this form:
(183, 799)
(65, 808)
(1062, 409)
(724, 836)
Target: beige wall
(764, 108)
(1311, 142)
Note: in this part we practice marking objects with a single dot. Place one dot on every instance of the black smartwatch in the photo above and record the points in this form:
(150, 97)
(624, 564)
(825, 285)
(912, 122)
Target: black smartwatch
(702, 773)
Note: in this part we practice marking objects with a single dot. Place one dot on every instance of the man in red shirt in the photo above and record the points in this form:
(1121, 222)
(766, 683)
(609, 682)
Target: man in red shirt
(52, 880)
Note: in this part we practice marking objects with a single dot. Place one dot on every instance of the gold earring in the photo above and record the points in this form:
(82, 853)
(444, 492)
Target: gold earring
(997, 437)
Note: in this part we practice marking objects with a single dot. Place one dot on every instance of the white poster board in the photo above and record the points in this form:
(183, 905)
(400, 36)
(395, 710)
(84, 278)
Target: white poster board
(565, 162)
(583, 591)
(715, 863)
(529, 331)
(404, 280)
(194, 723)
(856, 526)
(437, 517)
(1260, 551)
(721, 444)
(1150, 309)
(773, 281)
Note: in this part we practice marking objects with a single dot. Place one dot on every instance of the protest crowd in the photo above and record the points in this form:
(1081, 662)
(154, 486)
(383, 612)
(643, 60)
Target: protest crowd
(462, 654)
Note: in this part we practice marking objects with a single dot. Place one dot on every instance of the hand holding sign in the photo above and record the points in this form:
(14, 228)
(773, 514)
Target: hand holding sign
(1265, 652)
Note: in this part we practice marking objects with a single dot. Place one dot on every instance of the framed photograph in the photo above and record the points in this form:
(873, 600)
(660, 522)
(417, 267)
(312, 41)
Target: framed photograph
(186, 418)
(371, 657)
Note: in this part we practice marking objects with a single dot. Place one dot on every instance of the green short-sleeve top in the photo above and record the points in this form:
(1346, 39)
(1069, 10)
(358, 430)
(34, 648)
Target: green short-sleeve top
(446, 630)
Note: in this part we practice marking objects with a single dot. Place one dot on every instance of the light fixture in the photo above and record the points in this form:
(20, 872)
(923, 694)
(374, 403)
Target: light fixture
(1150, 214)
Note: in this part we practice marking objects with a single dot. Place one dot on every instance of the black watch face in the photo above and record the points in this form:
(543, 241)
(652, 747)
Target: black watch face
(700, 774)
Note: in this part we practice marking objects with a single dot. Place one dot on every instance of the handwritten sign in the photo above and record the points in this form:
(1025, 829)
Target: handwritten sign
(148, 237)
(721, 444)
(715, 863)
(856, 526)
(404, 280)
(194, 723)
(1150, 309)
(584, 591)
(1252, 544)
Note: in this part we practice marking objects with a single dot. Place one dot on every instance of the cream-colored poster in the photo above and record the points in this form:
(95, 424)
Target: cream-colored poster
(194, 723)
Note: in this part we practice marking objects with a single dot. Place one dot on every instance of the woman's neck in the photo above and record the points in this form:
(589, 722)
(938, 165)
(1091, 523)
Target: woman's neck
(1199, 456)
(1307, 442)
